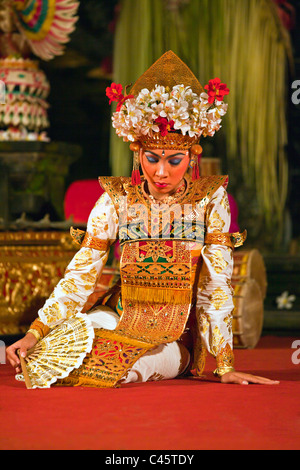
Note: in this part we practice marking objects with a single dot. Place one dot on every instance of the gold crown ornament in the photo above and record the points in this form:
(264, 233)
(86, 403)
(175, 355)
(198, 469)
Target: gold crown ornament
(167, 108)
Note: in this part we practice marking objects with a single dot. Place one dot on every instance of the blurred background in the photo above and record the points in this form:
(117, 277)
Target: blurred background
(252, 45)
(243, 42)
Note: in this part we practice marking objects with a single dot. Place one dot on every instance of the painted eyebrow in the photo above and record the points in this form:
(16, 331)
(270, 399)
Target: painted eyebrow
(170, 156)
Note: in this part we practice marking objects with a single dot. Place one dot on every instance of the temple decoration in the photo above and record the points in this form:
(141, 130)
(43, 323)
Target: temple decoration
(24, 113)
(45, 24)
(30, 27)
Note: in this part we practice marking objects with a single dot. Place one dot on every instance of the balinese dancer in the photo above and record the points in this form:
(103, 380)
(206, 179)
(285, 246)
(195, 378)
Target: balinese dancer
(173, 302)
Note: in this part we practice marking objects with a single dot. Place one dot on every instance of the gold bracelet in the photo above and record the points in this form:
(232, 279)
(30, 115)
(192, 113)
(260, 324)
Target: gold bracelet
(39, 327)
(222, 370)
(34, 333)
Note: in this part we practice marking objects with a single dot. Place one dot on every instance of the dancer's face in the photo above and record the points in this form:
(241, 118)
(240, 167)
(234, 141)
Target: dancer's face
(164, 170)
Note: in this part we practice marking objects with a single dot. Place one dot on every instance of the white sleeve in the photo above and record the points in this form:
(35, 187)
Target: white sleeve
(80, 277)
(214, 296)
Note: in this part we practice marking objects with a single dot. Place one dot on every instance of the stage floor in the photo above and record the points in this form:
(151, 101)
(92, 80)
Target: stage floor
(181, 414)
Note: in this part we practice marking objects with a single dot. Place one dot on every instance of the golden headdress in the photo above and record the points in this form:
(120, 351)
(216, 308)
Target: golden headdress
(168, 108)
(168, 71)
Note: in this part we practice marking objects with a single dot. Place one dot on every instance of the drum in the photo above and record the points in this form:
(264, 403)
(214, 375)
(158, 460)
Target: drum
(249, 283)
(248, 313)
(250, 264)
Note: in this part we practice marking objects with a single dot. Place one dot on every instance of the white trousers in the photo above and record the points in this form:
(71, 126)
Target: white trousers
(166, 361)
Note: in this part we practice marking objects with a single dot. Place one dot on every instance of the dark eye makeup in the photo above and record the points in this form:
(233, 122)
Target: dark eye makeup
(173, 161)
(151, 159)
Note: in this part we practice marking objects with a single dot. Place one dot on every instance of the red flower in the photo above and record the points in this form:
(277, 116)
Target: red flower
(114, 93)
(216, 90)
(164, 125)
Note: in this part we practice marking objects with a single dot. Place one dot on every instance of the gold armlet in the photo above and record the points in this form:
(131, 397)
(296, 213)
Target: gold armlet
(85, 240)
(233, 240)
(96, 243)
(218, 238)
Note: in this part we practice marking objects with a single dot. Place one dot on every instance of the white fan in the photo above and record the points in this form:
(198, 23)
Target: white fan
(58, 353)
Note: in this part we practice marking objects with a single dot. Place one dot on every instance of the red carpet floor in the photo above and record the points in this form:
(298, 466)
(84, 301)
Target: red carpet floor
(181, 414)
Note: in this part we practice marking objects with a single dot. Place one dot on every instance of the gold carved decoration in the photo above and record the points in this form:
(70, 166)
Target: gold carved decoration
(31, 264)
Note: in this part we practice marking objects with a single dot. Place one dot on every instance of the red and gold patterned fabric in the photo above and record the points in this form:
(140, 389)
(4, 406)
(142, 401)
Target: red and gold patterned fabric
(166, 281)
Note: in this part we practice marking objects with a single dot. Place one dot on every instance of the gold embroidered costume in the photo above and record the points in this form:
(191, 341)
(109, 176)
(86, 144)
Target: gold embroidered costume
(176, 261)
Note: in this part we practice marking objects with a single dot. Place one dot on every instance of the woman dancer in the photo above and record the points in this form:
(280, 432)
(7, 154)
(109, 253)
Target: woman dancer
(174, 299)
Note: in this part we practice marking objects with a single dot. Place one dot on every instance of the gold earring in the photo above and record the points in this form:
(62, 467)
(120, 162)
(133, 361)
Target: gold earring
(135, 175)
(196, 153)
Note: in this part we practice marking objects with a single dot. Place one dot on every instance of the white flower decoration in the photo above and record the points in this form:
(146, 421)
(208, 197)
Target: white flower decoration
(285, 301)
(191, 114)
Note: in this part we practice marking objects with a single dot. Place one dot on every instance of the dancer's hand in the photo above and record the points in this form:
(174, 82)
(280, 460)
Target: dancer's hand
(244, 379)
(24, 344)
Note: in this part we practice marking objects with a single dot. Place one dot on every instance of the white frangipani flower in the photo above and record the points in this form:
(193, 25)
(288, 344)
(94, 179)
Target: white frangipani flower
(285, 301)
(192, 114)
